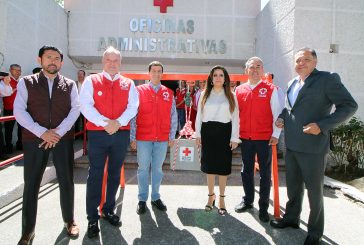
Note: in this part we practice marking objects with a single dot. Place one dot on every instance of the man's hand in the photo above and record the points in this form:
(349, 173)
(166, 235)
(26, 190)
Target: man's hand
(273, 141)
(46, 145)
(279, 123)
(7, 80)
(233, 145)
(50, 139)
(133, 145)
(171, 143)
(50, 136)
(112, 126)
(312, 128)
(198, 141)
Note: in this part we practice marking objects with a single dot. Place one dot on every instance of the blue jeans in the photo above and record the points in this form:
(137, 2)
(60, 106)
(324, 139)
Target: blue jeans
(181, 118)
(150, 155)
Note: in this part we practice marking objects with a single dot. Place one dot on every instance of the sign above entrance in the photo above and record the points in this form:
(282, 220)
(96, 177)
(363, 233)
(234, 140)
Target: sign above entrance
(163, 4)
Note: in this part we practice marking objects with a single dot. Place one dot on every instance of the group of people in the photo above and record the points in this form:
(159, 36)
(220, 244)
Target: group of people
(254, 116)
(48, 104)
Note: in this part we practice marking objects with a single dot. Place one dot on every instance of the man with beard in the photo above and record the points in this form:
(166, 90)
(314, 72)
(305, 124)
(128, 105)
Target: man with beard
(46, 106)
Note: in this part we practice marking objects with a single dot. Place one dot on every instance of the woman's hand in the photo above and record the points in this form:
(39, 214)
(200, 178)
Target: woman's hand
(198, 141)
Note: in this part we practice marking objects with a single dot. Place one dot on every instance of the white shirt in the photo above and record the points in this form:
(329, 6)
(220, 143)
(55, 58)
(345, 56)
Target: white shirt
(217, 109)
(23, 117)
(276, 106)
(93, 115)
(5, 90)
(295, 89)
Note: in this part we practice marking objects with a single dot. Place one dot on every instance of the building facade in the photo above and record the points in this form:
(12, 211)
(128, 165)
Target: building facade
(189, 36)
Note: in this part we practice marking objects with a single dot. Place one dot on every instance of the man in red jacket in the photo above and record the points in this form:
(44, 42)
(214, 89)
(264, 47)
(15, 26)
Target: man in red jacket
(259, 107)
(108, 101)
(152, 131)
(15, 72)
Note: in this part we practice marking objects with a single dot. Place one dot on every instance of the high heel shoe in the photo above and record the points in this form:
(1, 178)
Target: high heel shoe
(208, 207)
(222, 211)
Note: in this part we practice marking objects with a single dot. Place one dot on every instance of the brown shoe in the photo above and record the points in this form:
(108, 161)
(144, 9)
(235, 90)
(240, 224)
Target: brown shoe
(26, 239)
(72, 229)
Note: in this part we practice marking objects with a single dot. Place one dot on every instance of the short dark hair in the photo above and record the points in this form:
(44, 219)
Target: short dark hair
(311, 50)
(36, 70)
(48, 47)
(154, 63)
(84, 73)
(14, 65)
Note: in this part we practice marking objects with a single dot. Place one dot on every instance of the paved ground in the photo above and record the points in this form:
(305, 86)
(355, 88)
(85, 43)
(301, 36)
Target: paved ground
(185, 222)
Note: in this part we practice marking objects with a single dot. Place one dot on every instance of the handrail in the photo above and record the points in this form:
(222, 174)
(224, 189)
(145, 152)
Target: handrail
(21, 156)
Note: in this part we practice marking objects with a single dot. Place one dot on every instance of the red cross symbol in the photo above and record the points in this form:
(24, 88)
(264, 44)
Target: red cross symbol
(186, 151)
(163, 4)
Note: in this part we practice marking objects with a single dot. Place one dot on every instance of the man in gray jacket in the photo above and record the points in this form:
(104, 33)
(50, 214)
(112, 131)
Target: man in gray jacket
(307, 119)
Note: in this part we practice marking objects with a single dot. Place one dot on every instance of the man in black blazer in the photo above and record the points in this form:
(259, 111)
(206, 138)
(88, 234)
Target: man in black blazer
(307, 119)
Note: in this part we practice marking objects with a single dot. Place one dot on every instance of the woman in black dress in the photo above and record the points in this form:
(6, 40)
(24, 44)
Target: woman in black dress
(217, 131)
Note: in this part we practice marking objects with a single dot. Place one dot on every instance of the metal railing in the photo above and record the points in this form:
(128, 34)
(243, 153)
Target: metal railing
(16, 158)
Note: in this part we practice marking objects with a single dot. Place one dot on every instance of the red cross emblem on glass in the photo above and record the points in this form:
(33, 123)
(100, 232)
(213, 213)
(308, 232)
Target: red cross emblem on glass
(163, 4)
(186, 151)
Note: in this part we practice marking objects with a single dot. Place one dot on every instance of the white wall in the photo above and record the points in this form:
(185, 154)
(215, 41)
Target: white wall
(285, 26)
(29, 25)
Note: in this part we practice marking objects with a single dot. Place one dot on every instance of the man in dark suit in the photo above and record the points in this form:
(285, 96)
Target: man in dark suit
(307, 119)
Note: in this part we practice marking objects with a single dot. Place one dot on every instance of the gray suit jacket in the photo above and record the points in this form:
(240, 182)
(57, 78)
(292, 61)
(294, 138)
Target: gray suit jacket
(314, 103)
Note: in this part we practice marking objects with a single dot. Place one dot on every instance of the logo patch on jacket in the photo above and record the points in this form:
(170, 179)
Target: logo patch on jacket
(124, 85)
(166, 96)
(263, 92)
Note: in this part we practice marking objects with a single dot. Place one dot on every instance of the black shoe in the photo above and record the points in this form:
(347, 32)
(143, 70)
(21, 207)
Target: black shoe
(281, 223)
(312, 240)
(141, 208)
(112, 218)
(264, 216)
(93, 229)
(159, 204)
(26, 239)
(242, 207)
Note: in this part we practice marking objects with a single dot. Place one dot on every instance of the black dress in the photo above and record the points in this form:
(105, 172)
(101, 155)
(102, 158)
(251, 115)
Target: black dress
(216, 153)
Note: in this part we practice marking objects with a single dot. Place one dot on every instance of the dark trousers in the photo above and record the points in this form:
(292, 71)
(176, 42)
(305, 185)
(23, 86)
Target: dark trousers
(305, 169)
(250, 148)
(9, 126)
(35, 162)
(181, 117)
(102, 145)
(79, 125)
(2, 145)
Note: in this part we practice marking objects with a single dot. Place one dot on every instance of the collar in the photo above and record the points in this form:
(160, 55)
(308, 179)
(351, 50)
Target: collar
(14, 78)
(107, 75)
(253, 85)
(156, 87)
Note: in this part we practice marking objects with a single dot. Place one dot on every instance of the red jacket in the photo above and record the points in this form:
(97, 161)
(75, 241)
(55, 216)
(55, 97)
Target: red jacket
(255, 113)
(111, 98)
(153, 121)
(8, 101)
